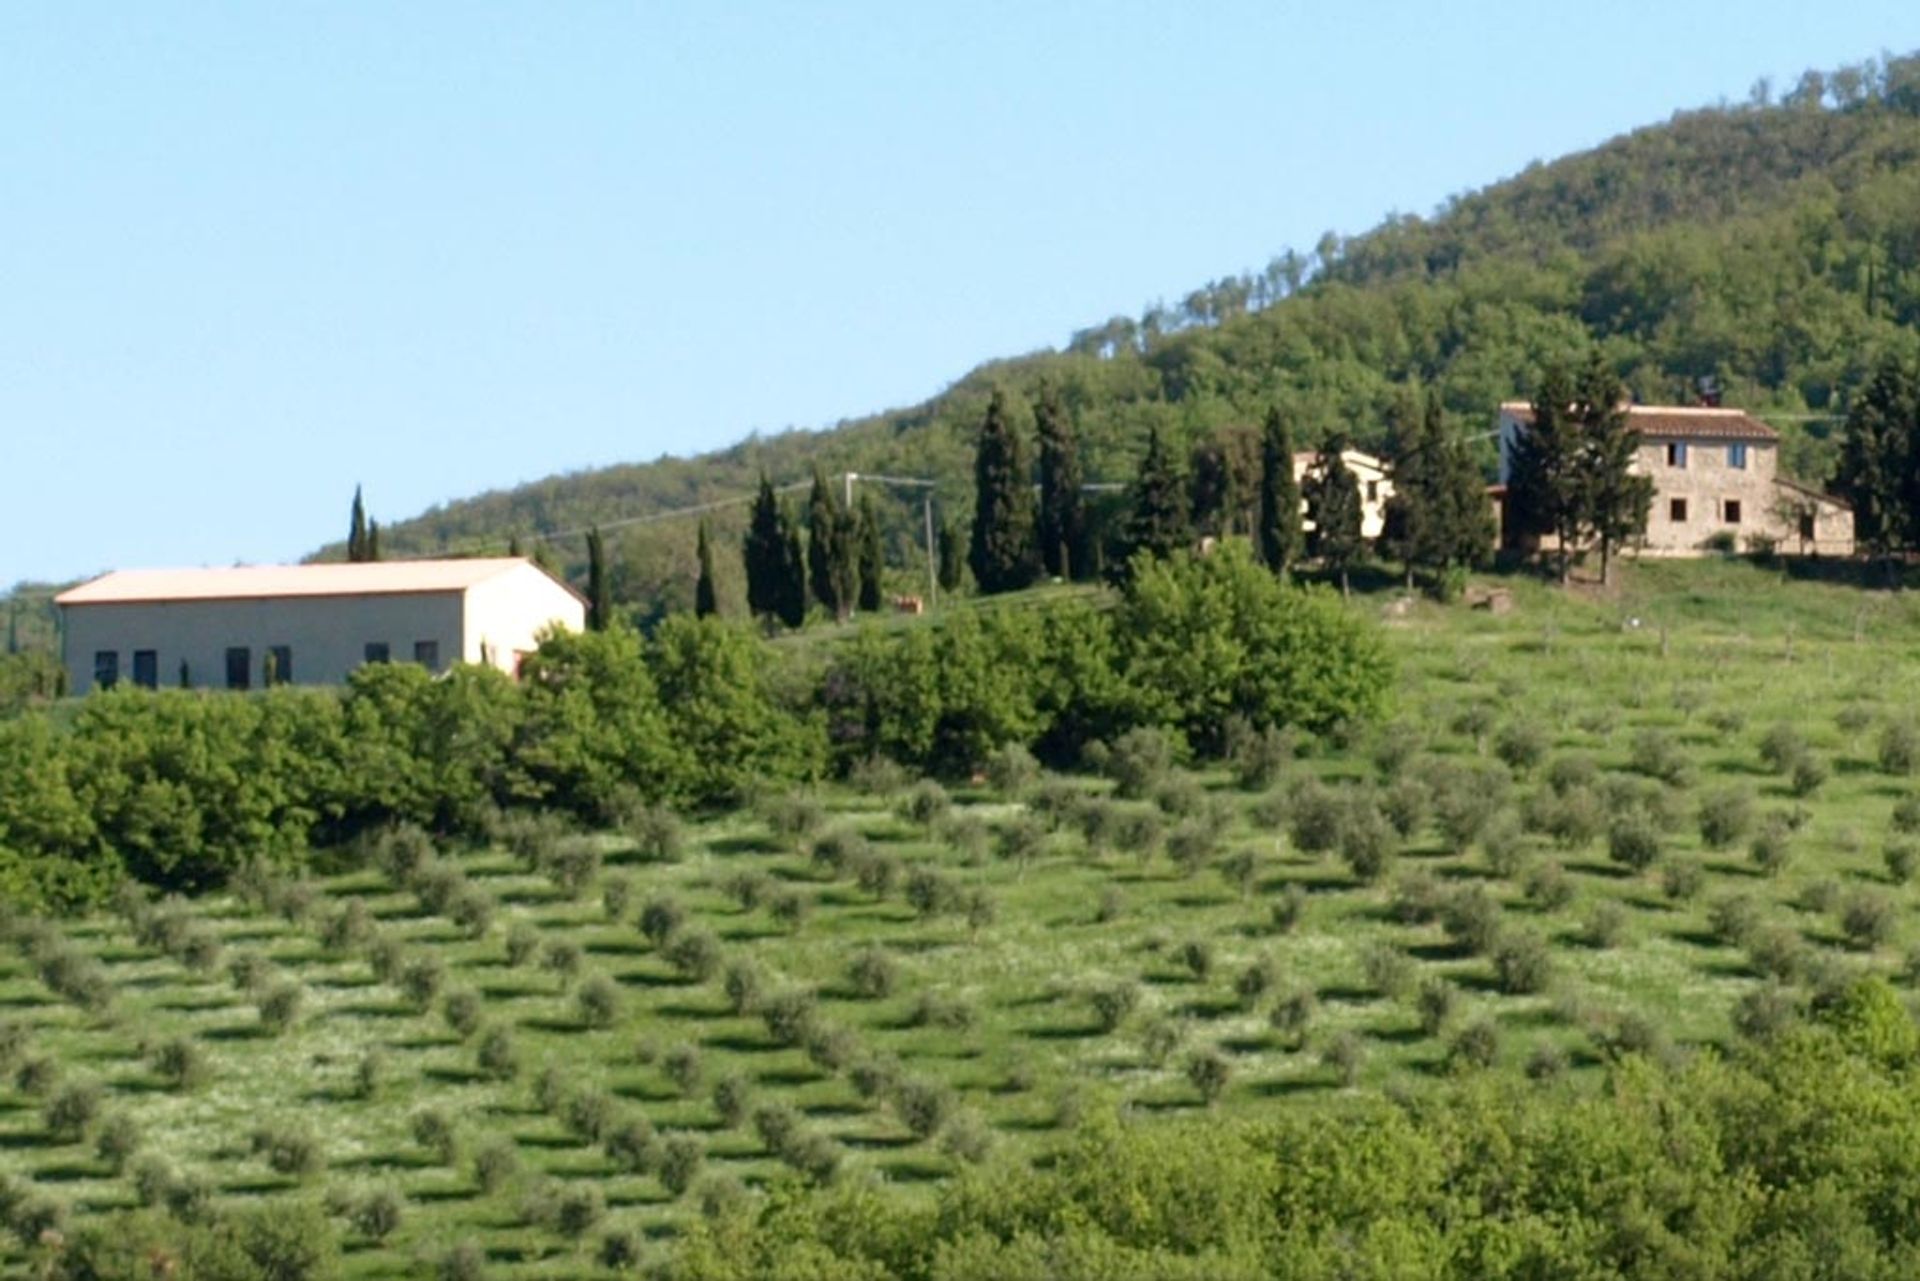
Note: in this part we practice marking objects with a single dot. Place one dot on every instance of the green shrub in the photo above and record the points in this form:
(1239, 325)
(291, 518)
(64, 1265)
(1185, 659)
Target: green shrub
(116, 1140)
(280, 1008)
(632, 1145)
(1112, 1003)
(1292, 1014)
(1434, 1004)
(496, 1163)
(1726, 816)
(1772, 847)
(1781, 746)
(1867, 918)
(1903, 861)
(1472, 919)
(497, 1056)
(1475, 1047)
(656, 834)
(421, 979)
(1605, 926)
(180, 1063)
(1681, 879)
(789, 1015)
(732, 1100)
(744, 984)
(1808, 775)
(926, 805)
(1389, 970)
(1521, 745)
(1011, 769)
(1633, 841)
(462, 1009)
(72, 1110)
(1345, 1056)
(376, 1215)
(434, 1130)
(873, 974)
(696, 954)
(922, 1107)
(1899, 751)
(523, 943)
(683, 1066)
(1522, 963)
(1208, 1073)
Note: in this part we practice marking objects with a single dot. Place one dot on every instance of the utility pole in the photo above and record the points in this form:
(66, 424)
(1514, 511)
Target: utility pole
(933, 574)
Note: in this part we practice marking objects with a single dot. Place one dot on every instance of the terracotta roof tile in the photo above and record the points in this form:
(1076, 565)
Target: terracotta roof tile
(1678, 422)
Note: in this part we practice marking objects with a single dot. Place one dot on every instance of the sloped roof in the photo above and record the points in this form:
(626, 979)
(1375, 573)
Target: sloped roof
(1818, 495)
(267, 582)
(1677, 422)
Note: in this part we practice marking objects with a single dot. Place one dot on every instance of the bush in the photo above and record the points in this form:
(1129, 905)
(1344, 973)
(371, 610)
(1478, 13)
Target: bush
(1416, 898)
(288, 1151)
(377, 1215)
(1772, 847)
(497, 1056)
(1472, 919)
(1316, 818)
(1259, 757)
(464, 1262)
(577, 1209)
(789, 1015)
(744, 984)
(1733, 919)
(1726, 817)
(683, 1067)
(922, 1107)
(621, 1250)
(732, 1100)
(1260, 977)
(421, 980)
(280, 1008)
(1285, 912)
(495, 1164)
(1681, 879)
(1522, 963)
(1208, 1073)
(1292, 1014)
(348, 928)
(1475, 1047)
(434, 1130)
(1605, 926)
(1389, 970)
(1345, 1055)
(116, 1141)
(1903, 861)
(839, 850)
(632, 1145)
(589, 1114)
(1867, 918)
(1011, 769)
(1899, 748)
(462, 1009)
(661, 918)
(1633, 841)
(616, 897)
(1906, 814)
(1781, 746)
(1367, 842)
(598, 1001)
(1809, 774)
(1113, 1003)
(471, 910)
(1197, 956)
(1434, 1004)
(873, 974)
(696, 954)
(926, 804)
(1520, 745)
(181, 1063)
(72, 1110)
(1657, 754)
(562, 958)
(1547, 1063)
(1139, 761)
(1404, 802)
(776, 1125)
(656, 835)
(1766, 1013)
(523, 942)
(938, 1009)
(249, 971)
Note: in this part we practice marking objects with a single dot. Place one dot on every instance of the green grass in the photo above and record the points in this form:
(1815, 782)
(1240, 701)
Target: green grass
(1710, 655)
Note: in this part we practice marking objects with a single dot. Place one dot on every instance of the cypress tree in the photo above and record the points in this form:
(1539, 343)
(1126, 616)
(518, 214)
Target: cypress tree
(513, 545)
(1002, 548)
(1544, 482)
(952, 563)
(1225, 479)
(1159, 524)
(870, 558)
(830, 562)
(1878, 458)
(706, 600)
(1062, 519)
(1616, 500)
(1411, 515)
(599, 603)
(373, 540)
(790, 597)
(1279, 518)
(357, 529)
(764, 553)
(1333, 504)
(1462, 509)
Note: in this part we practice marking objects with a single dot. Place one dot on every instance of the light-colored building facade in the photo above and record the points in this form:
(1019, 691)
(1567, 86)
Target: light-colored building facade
(1376, 487)
(1716, 484)
(255, 625)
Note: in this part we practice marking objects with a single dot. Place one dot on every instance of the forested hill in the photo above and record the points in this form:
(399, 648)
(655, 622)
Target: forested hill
(1774, 245)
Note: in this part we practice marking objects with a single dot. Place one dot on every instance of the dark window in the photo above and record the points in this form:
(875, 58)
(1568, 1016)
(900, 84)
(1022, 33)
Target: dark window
(1806, 526)
(1676, 453)
(1677, 510)
(146, 669)
(1737, 454)
(106, 668)
(239, 667)
(427, 654)
(279, 664)
(1733, 511)
(376, 652)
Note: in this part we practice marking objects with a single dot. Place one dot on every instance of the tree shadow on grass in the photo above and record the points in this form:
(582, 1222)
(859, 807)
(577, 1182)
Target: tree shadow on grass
(742, 1043)
(453, 1075)
(1055, 1032)
(1285, 1087)
(923, 1170)
(236, 1032)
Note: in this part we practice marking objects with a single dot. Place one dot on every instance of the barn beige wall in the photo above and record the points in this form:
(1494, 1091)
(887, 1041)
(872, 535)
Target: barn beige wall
(328, 634)
(506, 614)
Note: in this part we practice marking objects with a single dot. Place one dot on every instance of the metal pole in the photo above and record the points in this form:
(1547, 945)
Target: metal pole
(933, 577)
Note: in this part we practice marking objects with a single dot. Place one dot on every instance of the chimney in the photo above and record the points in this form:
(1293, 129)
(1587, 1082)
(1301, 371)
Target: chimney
(1707, 391)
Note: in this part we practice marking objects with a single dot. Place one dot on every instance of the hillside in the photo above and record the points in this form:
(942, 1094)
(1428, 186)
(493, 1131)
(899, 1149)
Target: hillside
(1775, 246)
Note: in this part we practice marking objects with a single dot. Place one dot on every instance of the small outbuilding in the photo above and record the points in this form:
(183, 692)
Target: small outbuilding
(257, 625)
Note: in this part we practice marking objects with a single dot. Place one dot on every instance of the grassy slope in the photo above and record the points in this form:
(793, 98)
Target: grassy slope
(1720, 653)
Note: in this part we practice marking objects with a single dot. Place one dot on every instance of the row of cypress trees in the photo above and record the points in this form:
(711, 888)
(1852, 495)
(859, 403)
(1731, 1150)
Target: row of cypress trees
(839, 565)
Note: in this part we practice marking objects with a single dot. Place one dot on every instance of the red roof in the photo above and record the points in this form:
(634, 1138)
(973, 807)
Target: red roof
(1678, 422)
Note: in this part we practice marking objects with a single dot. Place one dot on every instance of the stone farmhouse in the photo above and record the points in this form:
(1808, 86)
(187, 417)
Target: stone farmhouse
(258, 625)
(1716, 485)
(1376, 487)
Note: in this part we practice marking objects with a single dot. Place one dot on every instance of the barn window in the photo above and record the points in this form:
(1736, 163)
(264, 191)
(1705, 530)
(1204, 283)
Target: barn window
(280, 660)
(106, 668)
(1676, 453)
(146, 669)
(1677, 510)
(1733, 511)
(376, 652)
(1737, 454)
(239, 667)
(427, 654)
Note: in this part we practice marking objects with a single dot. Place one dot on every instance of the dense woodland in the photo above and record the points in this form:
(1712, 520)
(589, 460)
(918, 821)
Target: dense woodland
(1772, 245)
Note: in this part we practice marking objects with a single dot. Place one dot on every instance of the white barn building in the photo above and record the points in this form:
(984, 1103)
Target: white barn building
(255, 625)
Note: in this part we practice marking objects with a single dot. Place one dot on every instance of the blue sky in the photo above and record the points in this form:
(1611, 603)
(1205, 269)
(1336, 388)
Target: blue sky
(252, 254)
